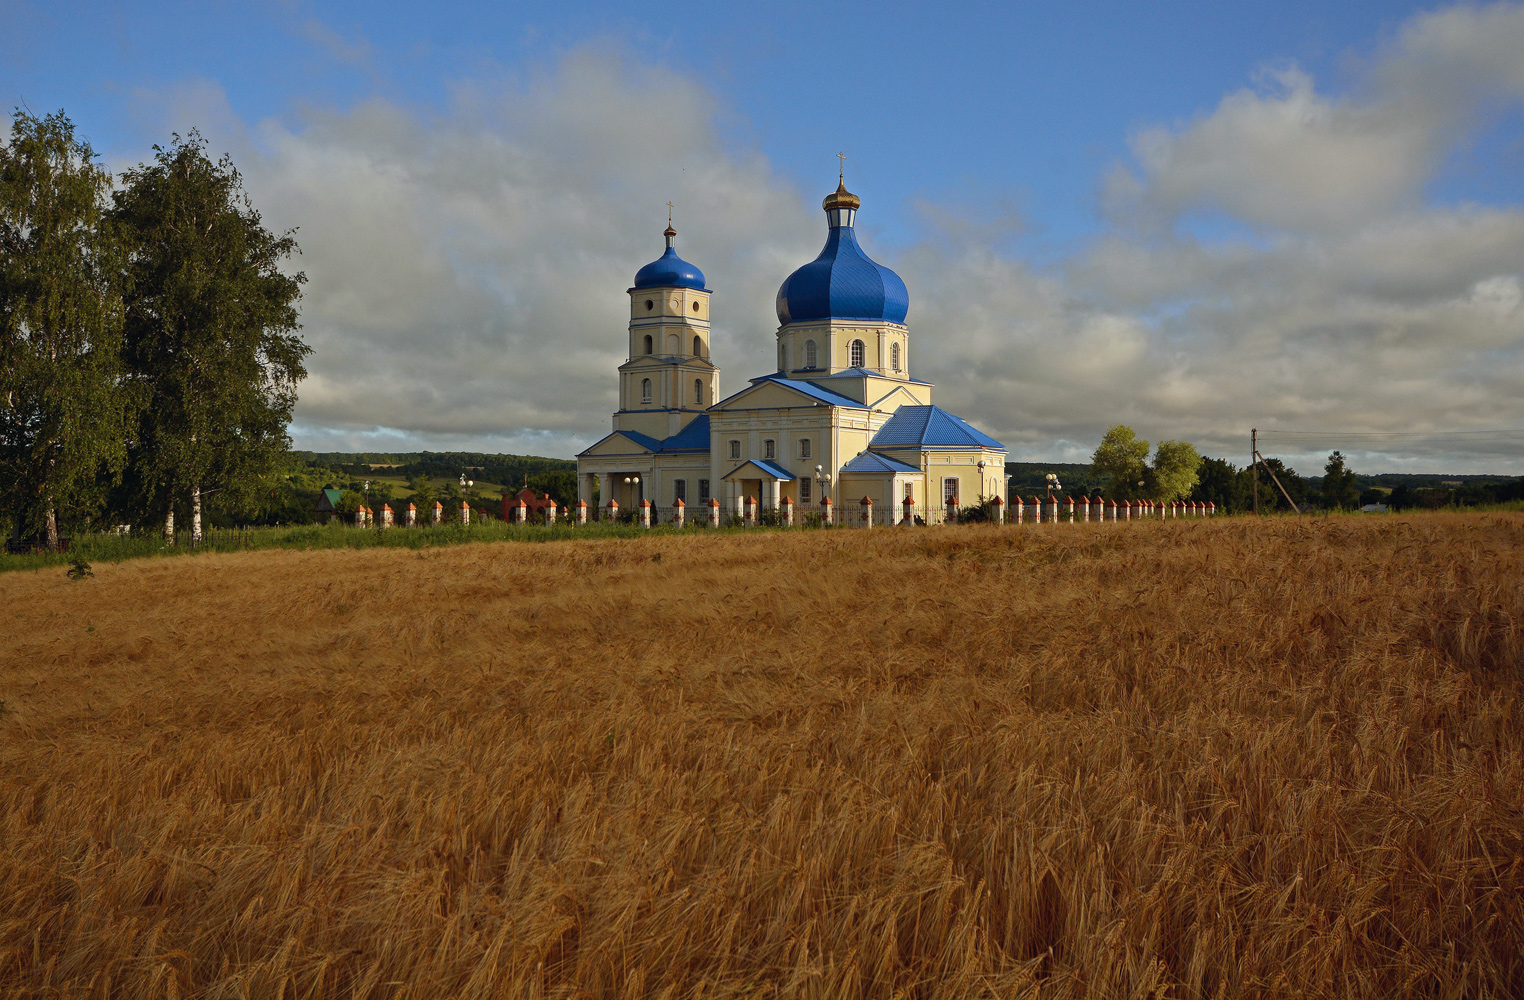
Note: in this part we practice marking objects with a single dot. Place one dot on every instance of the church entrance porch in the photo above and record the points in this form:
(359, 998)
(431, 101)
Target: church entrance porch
(763, 481)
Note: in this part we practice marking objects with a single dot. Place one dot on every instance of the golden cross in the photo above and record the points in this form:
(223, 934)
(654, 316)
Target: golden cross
(669, 213)
(842, 174)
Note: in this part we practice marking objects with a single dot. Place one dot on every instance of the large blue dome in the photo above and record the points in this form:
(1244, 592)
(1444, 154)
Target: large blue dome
(843, 282)
(669, 270)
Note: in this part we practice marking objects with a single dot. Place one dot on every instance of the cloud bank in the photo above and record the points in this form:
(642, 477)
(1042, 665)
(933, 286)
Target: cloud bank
(467, 266)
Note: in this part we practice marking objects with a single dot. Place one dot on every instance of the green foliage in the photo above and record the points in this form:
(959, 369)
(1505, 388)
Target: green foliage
(1339, 489)
(1120, 462)
(1220, 482)
(423, 495)
(79, 569)
(1271, 498)
(561, 485)
(210, 330)
(1174, 472)
(64, 407)
(109, 548)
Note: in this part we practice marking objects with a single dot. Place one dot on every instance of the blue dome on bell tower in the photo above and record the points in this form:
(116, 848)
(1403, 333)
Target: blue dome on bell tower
(843, 282)
(669, 270)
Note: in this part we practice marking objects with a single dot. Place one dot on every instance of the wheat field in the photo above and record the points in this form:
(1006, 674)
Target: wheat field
(1196, 758)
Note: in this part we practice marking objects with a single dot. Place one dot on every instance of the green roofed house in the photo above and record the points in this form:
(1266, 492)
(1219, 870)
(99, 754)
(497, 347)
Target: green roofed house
(328, 503)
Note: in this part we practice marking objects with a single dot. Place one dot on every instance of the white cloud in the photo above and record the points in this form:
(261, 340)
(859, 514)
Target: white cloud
(467, 267)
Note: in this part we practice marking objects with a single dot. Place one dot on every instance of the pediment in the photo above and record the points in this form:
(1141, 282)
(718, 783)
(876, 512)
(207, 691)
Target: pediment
(615, 444)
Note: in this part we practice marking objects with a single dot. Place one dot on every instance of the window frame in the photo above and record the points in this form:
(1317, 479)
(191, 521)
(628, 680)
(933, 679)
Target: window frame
(650, 345)
(804, 491)
(769, 450)
(698, 346)
(646, 391)
(811, 354)
(805, 447)
(698, 392)
(679, 491)
(735, 450)
(703, 491)
(894, 356)
(857, 353)
(946, 496)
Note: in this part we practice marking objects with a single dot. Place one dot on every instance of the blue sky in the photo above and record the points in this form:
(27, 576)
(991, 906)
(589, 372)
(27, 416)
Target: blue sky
(1103, 176)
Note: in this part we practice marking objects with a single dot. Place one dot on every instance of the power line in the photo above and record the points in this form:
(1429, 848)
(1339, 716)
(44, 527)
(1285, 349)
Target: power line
(1415, 435)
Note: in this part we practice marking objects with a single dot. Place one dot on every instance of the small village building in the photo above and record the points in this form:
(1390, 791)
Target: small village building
(328, 501)
(841, 417)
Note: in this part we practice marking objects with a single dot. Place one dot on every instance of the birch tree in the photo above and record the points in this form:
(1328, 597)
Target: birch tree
(63, 409)
(210, 331)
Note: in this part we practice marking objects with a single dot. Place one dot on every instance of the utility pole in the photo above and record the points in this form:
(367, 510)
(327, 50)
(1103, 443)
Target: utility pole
(1254, 457)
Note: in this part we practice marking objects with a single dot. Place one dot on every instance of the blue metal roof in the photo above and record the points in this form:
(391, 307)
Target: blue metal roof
(930, 426)
(869, 462)
(808, 388)
(870, 373)
(646, 441)
(771, 468)
(694, 437)
(669, 270)
(842, 283)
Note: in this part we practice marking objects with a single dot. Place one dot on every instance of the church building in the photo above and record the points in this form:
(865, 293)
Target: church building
(841, 417)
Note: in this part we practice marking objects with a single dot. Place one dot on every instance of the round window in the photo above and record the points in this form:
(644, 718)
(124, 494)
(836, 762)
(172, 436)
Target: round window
(650, 305)
(695, 307)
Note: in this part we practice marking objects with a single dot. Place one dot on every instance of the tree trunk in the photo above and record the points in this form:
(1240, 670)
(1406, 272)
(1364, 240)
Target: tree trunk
(196, 515)
(52, 523)
(169, 526)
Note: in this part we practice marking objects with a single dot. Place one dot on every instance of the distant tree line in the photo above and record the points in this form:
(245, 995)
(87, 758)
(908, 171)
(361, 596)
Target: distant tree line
(149, 354)
(1122, 468)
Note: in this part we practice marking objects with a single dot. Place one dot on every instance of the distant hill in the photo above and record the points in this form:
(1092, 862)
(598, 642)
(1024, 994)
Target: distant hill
(1028, 477)
(510, 469)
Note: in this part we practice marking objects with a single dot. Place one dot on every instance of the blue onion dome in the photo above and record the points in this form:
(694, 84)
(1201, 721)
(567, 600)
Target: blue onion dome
(669, 270)
(843, 282)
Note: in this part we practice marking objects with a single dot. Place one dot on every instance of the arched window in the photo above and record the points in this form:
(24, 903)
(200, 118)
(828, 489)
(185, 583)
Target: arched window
(811, 357)
(698, 391)
(648, 343)
(698, 347)
(645, 389)
(859, 354)
(894, 356)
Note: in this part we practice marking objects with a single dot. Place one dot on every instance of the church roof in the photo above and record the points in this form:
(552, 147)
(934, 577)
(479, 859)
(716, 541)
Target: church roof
(871, 463)
(810, 389)
(770, 468)
(930, 427)
(694, 437)
(669, 270)
(843, 282)
(869, 373)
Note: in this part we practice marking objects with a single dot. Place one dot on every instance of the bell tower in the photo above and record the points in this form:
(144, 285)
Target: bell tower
(669, 378)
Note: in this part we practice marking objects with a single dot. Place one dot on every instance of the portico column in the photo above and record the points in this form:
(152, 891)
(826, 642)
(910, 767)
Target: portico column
(609, 489)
